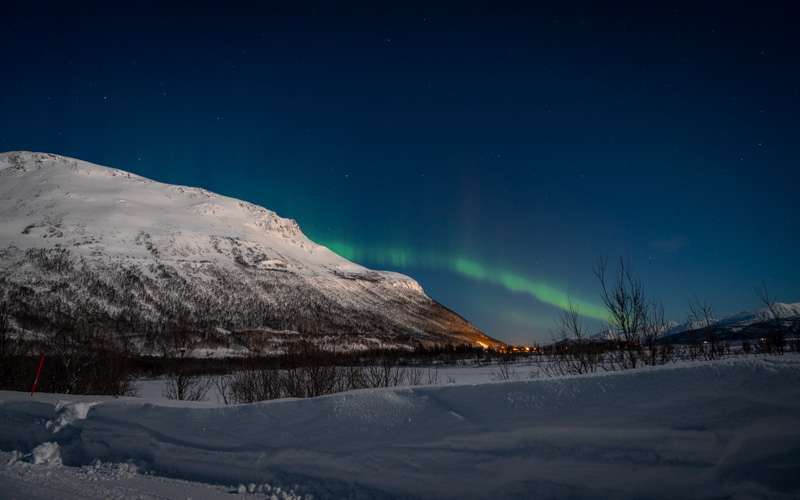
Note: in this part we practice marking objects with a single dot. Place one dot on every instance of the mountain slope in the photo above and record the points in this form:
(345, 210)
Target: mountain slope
(89, 246)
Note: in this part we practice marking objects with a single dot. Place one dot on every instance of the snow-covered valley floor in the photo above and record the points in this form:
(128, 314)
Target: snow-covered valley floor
(727, 429)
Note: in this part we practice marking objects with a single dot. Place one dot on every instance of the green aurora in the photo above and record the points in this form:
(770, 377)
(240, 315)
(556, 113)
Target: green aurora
(401, 259)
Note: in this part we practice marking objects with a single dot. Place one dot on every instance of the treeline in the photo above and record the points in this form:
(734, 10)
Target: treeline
(92, 335)
(92, 318)
(642, 333)
(84, 357)
(147, 297)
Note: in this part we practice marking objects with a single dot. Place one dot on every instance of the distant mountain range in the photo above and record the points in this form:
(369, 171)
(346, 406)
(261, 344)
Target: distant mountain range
(762, 314)
(86, 246)
(748, 325)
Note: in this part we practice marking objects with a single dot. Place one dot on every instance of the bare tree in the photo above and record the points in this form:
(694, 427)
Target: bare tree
(774, 342)
(112, 369)
(222, 383)
(656, 336)
(433, 376)
(9, 349)
(70, 347)
(383, 371)
(250, 386)
(505, 368)
(711, 345)
(638, 319)
(309, 370)
(624, 297)
(414, 376)
(182, 382)
(84, 358)
(793, 331)
(577, 353)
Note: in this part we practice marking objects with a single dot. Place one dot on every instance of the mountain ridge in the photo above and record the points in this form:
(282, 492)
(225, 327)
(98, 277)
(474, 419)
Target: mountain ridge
(744, 324)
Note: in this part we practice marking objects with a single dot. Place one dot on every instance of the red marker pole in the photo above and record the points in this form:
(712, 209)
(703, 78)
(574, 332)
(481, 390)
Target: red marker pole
(37, 375)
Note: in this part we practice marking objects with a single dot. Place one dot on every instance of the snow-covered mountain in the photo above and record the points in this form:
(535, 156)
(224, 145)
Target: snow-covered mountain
(83, 243)
(744, 318)
(763, 314)
(741, 325)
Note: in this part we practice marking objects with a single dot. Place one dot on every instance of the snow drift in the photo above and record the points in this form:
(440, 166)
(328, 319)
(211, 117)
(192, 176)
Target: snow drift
(727, 429)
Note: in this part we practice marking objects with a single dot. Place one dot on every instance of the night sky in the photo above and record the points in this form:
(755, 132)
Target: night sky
(491, 152)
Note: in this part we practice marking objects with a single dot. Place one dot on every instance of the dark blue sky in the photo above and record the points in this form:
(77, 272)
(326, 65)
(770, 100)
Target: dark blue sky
(492, 152)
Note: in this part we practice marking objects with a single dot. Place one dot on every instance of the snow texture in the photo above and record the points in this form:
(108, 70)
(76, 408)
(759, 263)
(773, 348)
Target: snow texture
(46, 454)
(727, 429)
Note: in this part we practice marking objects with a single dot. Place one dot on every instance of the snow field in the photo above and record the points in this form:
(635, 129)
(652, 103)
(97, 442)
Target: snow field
(715, 429)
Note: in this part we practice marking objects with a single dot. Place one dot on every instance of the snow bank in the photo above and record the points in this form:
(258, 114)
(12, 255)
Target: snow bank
(722, 429)
(67, 413)
(46, 454)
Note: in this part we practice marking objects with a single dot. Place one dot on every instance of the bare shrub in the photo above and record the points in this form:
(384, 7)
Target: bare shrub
(11, 351)
(638, 318)
(182, 382)
(310, 371)
(574, 352)
(383, 372)
(505, 369)
(250, 386)
(83, 358)
(433, 375)
(413, 376)
(709, 345)
(774, 340)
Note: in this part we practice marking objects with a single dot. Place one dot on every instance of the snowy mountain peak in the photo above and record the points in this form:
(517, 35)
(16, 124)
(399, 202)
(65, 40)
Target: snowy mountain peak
(89, 208)
(764, 313)
(105, 222)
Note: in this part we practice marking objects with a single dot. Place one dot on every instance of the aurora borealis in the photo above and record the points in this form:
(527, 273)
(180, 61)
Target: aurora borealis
(490, 151)
(398, 258)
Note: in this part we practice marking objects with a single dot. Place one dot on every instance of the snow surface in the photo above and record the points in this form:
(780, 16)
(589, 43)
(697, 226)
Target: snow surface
(91, 208)
(727, 429)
